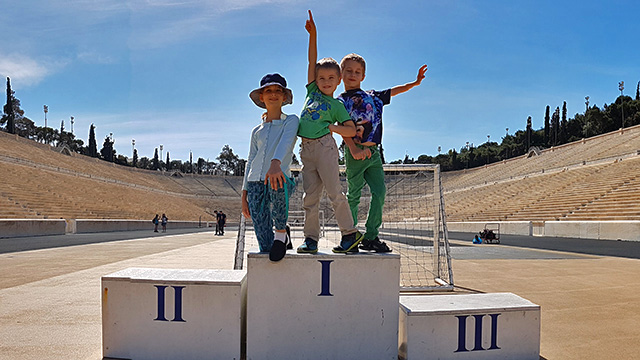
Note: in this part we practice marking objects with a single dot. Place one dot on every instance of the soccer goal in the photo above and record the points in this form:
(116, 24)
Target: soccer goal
(414, 225)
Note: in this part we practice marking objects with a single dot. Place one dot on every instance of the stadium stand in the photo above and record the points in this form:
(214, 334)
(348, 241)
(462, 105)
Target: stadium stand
(39, 182)
(590, 179)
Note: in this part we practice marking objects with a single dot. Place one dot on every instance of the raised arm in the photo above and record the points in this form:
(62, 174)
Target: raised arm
(313, 48)
(408, 86)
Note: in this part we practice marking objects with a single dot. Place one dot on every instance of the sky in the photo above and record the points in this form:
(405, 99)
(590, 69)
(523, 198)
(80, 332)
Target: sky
(178, 73)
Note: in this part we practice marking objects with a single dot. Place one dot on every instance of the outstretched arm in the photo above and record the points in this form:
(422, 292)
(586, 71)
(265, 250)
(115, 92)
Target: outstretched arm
(347, 129)
(408, 86)
(313, 48)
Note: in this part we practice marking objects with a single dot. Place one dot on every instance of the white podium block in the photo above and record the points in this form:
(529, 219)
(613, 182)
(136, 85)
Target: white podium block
(172, 314)
(323, 306)
(477, 326)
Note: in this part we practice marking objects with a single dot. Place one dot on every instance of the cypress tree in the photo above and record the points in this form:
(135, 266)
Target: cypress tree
(92, 150)
(156, 160)
(8, 109)
(546, 127)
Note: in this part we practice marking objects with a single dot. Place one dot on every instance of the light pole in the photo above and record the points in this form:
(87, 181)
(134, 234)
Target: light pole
(160, 156)
(72, 125)
(468, 155)
(488, 138)
(621, 88)
(586, 102)
(46, 110)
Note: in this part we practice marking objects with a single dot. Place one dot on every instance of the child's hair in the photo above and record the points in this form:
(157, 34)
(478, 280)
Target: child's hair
(328, 63)
(355, 57)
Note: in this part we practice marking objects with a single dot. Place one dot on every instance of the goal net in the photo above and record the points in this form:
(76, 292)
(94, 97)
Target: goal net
(414, 225)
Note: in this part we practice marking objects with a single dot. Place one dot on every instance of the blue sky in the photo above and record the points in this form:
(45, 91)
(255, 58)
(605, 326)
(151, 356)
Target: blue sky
(178, 72)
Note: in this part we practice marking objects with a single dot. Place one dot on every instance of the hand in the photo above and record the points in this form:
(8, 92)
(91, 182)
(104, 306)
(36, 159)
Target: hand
(245, 208)
(421, 74)
(275, 176)
(310, 25)
(361, 154)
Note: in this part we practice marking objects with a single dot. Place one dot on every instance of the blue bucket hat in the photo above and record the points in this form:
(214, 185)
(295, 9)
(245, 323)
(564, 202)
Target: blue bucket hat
(268, 80)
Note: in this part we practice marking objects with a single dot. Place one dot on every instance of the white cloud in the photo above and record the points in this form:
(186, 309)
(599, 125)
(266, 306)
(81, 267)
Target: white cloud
(25, 69)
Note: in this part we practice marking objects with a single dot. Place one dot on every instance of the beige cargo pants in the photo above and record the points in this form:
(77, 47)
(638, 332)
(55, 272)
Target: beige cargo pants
(320, 167)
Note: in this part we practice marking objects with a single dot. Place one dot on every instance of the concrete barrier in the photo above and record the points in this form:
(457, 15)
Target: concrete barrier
(323, 306)
(506, 227)
(475, 326)
(31, 227)
(601, 230)
(107, 225)
(173, 314)
(598, 230)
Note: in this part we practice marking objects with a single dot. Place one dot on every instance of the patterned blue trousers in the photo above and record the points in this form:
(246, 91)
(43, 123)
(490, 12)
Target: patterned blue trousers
(268, 208)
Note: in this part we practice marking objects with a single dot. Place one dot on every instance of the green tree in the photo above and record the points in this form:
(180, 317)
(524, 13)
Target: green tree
(228, 161)
(135, 158)
(92, 148)
(547, 127)
(107, 152)
(638, 91)
(156, 160)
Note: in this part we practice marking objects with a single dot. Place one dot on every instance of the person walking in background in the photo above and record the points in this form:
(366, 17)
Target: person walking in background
(217, 222)
(155, 222)
(164, 220)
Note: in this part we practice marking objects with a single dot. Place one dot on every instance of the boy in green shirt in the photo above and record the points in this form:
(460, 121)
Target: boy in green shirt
(319, 152)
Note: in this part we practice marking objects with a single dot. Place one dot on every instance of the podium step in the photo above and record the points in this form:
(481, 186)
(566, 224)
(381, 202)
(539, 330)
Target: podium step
(323, 306)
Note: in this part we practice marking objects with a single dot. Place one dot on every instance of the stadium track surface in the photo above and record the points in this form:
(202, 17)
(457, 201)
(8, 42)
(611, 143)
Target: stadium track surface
(50, 286)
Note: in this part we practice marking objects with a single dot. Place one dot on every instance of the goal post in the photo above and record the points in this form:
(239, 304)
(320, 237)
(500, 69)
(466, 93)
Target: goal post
(413, 224)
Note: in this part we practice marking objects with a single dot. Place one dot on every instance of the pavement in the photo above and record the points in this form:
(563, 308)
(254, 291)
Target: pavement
(50, 287)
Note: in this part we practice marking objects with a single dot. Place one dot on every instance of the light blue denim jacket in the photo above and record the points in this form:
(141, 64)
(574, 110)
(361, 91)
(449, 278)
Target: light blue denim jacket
(271, 140)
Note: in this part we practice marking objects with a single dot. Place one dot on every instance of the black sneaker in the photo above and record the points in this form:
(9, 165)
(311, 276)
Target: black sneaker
(288, 240)
(309, 246)
(349, 243)
(375, 245)
(278, 250)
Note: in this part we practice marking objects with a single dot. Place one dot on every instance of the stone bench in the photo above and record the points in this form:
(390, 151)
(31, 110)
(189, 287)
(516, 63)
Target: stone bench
(173, 314)
(476, 326)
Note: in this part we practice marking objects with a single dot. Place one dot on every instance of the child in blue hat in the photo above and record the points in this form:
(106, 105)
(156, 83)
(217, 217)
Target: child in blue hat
(267, 179)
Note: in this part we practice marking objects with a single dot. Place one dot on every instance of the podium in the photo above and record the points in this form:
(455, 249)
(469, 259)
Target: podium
(307, 306)
(323, 306)
(474, 326)
(172, 314)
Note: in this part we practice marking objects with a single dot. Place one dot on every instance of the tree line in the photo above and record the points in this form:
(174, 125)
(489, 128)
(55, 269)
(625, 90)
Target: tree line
(14, 121)
(557, 130)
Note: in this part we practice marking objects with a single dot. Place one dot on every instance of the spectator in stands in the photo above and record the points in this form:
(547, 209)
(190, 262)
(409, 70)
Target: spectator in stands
(155, 222)
(362, 156)
(164, 220)
(267, 179)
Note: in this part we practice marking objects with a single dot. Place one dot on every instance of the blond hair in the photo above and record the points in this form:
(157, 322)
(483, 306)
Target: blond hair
(328, 63)
(355, 57)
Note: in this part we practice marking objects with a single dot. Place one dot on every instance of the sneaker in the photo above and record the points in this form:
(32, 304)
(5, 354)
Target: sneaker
(309, 246)
(349, 243)
(278, 250)
(288, 240)
(375, 245)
